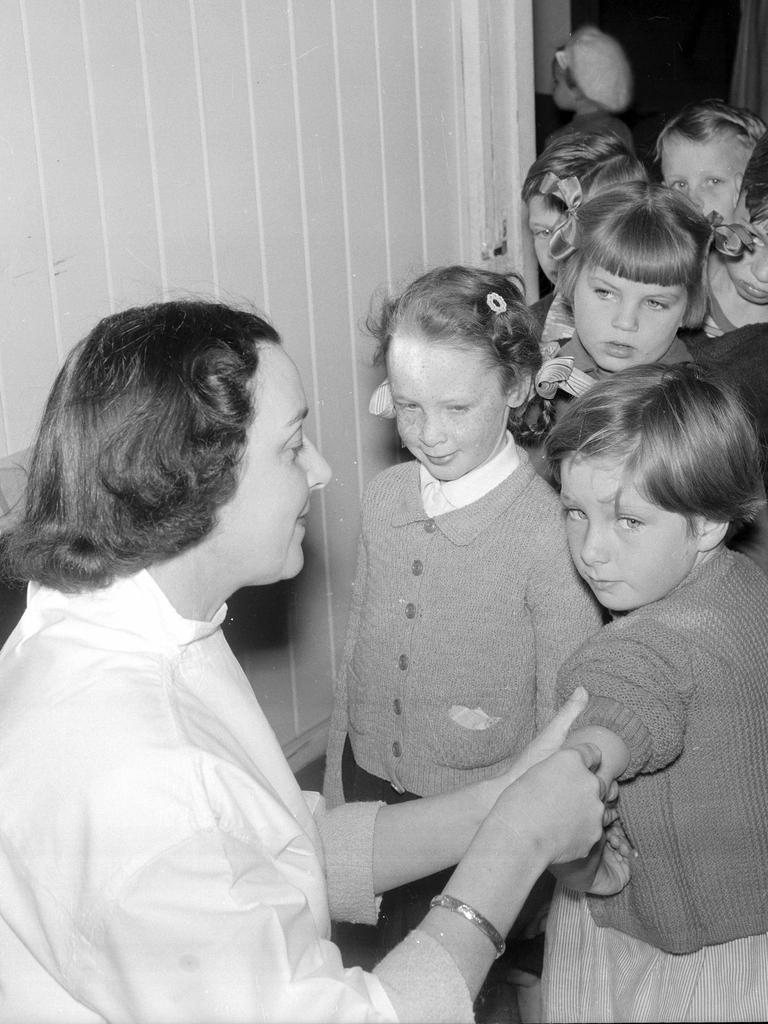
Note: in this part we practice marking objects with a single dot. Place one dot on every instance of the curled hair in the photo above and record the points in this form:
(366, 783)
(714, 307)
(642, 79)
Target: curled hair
(139, 443)
(704, 120)
(685, 440)
(642, 232)
(597, 159)
(754, 185)
(450, 306)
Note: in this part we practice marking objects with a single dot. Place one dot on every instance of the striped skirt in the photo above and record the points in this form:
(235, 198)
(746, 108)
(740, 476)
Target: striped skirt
(599, 974)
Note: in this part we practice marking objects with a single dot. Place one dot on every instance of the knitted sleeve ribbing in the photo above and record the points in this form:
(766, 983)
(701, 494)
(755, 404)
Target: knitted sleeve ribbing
(638, 687)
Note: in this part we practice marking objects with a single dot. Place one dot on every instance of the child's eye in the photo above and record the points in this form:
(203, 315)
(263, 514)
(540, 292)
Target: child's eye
(656, 304)
(603, 293)
(296, 450)
(679, 185)
(630, 523)
(542, 233)
(574, 513)
(714, 181)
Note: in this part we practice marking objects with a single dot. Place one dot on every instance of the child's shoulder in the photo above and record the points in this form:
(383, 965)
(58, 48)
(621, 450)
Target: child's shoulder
(392, 480)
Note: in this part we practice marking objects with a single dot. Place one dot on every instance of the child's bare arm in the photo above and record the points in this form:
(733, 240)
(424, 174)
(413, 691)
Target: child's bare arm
(613, 748)
(605, 867)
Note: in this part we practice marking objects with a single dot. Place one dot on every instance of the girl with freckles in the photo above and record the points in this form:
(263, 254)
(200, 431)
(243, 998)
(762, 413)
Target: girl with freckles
(465, 602)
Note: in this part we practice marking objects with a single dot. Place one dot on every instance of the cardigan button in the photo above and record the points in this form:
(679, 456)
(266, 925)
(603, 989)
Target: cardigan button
(397, 704)
(396, 749)
(402, 662)
(417, 568)
(430, 526)
(410, 610)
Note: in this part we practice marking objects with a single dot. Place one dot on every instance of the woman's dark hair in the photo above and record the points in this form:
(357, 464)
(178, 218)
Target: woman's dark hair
(462, 306)
(685, 440)
(139, 444)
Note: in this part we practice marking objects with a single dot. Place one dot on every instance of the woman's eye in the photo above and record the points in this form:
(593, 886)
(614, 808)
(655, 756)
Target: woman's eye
(679, 185)
(574, 513)
(715, 181)
(542, 233)
(296, 450)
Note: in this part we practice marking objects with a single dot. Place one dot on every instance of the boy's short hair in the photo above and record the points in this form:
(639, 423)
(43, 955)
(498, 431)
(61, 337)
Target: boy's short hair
(683, 434)
(597, 64)
(140, 442)
(597, 159)
(642, 231)
(754, 184)
(704, 120)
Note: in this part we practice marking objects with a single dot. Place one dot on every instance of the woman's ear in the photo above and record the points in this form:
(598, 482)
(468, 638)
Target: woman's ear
(709, 534)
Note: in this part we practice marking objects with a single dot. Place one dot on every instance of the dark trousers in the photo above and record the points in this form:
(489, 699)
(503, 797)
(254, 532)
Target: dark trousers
(404, 908)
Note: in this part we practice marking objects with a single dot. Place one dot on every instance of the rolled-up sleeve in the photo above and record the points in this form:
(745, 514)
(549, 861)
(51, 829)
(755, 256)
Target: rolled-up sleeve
(636, 690)
(347, 836)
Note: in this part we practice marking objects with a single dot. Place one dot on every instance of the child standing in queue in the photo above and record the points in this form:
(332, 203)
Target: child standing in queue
(464, 602)
(633, 269)
(658, 465)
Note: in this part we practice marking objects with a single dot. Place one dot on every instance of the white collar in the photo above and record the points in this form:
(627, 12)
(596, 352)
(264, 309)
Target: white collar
(446, 495)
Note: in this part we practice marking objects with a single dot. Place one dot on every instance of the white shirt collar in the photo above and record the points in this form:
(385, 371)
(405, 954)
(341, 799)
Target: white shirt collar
(446, 495)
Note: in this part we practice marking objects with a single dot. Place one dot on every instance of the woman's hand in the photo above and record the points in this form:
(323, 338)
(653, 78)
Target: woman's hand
(550, 739)
(557, 803)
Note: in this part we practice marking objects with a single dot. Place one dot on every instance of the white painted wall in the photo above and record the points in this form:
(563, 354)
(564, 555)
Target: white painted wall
(295, 154)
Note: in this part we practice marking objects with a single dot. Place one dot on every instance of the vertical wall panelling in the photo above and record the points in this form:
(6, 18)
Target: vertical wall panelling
(511, 99)
(299, 156)
(30, 333)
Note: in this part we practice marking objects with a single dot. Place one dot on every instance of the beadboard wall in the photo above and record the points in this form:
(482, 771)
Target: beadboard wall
(295, 155)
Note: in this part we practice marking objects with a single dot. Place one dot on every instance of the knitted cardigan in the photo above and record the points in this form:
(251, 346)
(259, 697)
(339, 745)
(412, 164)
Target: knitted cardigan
(683, 682)
(469, 614)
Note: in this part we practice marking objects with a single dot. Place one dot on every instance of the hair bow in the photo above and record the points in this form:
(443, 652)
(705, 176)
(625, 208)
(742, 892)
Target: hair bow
(561, 373)
(731, 239)
(564, 238)
(381, 403)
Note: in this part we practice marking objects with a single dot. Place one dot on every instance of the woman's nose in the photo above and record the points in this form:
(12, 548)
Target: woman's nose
(318, 471)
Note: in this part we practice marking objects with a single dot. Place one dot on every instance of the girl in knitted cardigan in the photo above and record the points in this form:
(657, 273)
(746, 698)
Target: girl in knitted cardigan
(464, 602)
(657, 466)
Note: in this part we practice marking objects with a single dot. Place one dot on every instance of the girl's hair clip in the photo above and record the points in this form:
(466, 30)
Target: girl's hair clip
(496, 303)
(564, 238)
(381, 403)
(731, 239)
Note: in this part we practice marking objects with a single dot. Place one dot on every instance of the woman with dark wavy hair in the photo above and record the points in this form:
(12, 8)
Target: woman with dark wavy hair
(158, 861)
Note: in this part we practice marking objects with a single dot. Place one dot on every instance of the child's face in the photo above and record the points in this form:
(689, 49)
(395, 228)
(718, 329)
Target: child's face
(624, 323)
(629, 551)
(451, 410)
(749, 273)
(708, 173)
(542, 219)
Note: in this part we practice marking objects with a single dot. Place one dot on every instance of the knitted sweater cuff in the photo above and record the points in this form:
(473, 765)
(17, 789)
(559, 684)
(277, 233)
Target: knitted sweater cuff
(347, 837)
(613, 715)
